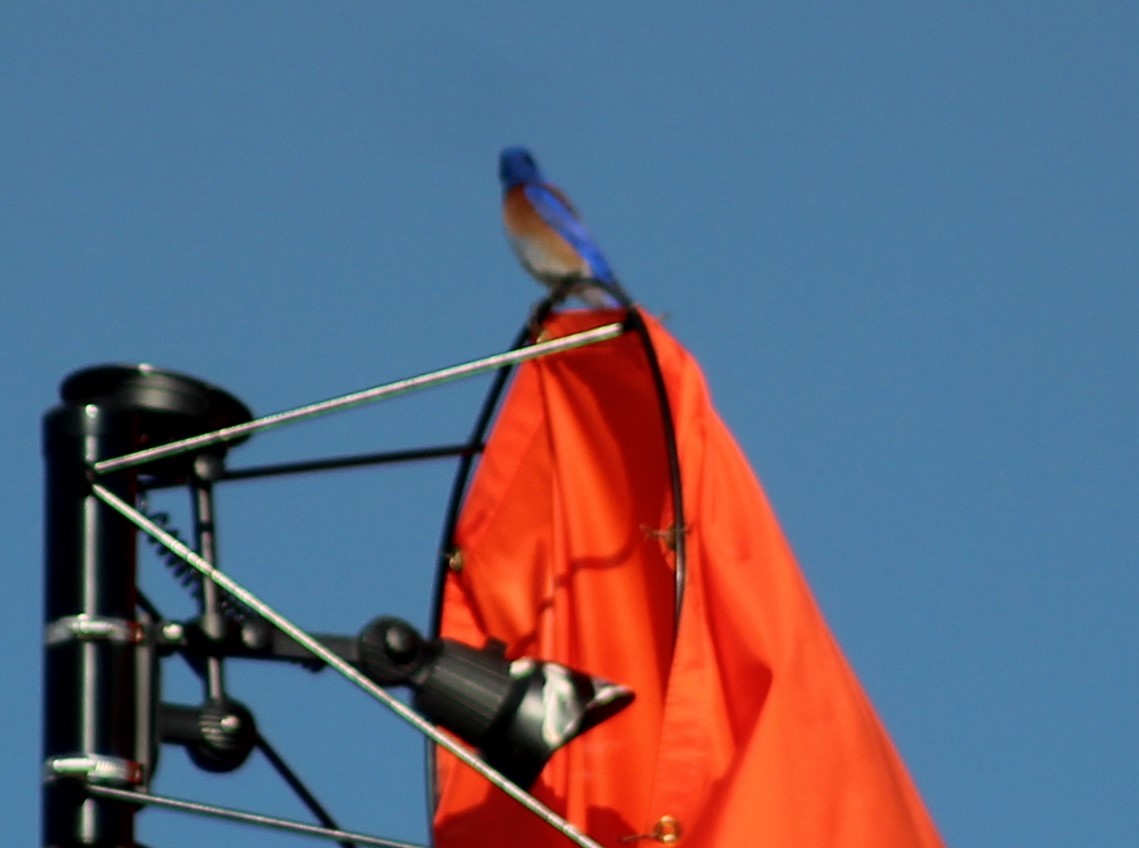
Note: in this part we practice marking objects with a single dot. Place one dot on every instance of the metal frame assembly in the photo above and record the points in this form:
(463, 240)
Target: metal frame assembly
(121, 431)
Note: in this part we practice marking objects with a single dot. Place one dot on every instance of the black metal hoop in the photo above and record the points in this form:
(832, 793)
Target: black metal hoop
(477, 440)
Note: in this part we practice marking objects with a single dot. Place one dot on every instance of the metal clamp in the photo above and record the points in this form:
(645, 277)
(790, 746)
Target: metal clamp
(94, 768)
(91, 628)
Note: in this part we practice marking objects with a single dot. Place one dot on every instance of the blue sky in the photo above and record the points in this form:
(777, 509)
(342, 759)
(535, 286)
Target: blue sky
(902, 239)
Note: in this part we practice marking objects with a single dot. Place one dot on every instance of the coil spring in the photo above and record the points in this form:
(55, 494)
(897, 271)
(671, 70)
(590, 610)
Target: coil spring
(190, 579)
(187, 576)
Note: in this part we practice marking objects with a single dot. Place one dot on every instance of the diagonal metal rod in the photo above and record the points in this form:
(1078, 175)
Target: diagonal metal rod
(432, 378)
(317, 649)
(132, 796)
(294, 782)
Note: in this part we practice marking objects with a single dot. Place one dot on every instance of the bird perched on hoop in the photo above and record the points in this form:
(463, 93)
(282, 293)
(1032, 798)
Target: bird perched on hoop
(549, 238)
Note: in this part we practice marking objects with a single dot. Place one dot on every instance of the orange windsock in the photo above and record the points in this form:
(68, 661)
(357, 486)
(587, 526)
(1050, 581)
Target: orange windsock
(749, 727)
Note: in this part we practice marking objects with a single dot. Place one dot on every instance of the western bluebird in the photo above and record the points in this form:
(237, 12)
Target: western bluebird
(548, 236)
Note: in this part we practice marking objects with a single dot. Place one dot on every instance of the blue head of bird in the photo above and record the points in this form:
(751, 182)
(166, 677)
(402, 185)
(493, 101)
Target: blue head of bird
(515, 166)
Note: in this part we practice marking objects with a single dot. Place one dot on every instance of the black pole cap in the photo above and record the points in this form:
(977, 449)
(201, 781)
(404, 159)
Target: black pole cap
(170, 406)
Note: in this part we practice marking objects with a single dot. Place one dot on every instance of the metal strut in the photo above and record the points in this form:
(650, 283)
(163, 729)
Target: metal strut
(433, 378)
(146, 799)
(333, 660)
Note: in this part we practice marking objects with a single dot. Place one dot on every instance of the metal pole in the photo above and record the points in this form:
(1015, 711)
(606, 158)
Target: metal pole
(98, 684)
(91, 637)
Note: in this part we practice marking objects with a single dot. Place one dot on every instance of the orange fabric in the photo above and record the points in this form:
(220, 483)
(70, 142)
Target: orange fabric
(751, 729)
